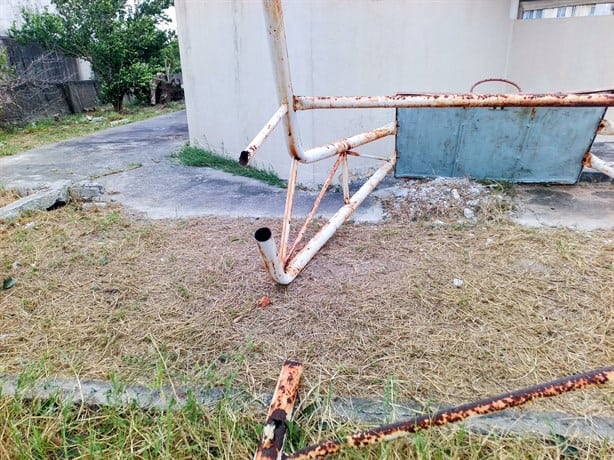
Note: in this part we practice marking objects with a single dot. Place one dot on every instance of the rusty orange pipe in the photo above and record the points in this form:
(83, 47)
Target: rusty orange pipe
(456, 414)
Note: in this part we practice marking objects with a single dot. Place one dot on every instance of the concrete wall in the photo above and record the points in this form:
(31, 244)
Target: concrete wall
(364, 47)
(563, 54)
(341, 47)
(10, 11)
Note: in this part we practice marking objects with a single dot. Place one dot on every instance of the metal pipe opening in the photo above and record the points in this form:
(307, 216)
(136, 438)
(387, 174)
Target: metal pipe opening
(263, 234)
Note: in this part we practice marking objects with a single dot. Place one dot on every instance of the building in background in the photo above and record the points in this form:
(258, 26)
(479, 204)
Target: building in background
(373, 47)
(547, 9)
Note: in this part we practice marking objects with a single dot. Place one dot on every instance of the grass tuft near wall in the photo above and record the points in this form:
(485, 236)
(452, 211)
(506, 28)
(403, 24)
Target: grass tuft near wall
(193, 156)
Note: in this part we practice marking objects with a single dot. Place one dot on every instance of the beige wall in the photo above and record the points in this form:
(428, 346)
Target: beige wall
(356, 47)
(563, 54)
(10, 11)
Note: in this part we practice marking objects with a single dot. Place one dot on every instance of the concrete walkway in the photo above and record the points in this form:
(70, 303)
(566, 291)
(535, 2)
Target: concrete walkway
(134, 165)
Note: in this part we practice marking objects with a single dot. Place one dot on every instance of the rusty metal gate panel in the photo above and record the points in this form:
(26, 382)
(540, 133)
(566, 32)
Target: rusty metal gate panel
(518, 144)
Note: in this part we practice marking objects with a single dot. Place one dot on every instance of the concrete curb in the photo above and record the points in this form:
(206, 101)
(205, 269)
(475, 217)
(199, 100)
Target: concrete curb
(56, 194)
(52, 196)
(511, 422)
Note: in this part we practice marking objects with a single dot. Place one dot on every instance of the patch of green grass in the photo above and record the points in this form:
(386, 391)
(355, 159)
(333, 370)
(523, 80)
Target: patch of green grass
(15, 138)
(499, 186)
(52, 427)
(193, 156)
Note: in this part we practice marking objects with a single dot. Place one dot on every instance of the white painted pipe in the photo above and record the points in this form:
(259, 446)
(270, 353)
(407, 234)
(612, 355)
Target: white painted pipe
(268, 251)
(600, 165)
(279, 54)
(256, 143)
(334, 148)
(596, 99)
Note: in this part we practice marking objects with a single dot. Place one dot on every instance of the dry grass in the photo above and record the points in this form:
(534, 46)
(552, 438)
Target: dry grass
(7, 196)
(99, 295)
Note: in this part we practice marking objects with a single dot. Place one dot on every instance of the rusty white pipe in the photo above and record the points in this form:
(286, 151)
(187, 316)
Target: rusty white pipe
(314, 208)
(287, 219)
(274, 20)
(606, 128)
(268, 252)
(279, 53)
(334, 148)
(596, 163)
(345, 179)
(597, 99)
(266, 245)
(256, 143)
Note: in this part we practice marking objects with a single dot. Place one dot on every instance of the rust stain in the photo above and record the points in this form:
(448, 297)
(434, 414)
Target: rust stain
(264, 301)
(586, 160)
(280, 411)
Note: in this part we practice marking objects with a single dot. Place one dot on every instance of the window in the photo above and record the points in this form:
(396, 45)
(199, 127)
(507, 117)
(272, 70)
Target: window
(542, 9)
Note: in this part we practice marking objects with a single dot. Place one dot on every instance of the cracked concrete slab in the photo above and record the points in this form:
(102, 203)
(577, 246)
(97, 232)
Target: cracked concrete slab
(581, 207)
(53, 195)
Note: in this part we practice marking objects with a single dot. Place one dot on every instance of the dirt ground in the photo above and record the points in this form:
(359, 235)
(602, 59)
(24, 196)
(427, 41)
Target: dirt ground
(437, 308)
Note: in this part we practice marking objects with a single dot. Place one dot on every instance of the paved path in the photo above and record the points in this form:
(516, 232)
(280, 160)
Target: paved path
(134, 164)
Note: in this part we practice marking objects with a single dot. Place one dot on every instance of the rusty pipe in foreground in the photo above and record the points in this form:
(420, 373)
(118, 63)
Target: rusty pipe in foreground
(275, 429)
(604, 98)
(596, 163)
(286, 274)
(456, 414)
(256, 143)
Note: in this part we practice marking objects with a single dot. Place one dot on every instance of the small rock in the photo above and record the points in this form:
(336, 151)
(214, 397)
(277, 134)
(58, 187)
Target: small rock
(469, 214)
(30, 225)
(473, 203)
(87, 191)
(93, 205)
(455, 194)
(438, 223)
(457, 282)
(16, 265)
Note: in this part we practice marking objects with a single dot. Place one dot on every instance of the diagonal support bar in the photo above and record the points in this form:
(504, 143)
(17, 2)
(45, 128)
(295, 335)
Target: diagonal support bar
(284, 273)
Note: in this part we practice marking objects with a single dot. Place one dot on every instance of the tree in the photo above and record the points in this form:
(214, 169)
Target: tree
(118, 37)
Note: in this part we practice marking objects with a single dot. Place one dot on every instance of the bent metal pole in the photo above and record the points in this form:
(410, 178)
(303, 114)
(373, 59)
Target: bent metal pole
(286, 274)
(279, 53)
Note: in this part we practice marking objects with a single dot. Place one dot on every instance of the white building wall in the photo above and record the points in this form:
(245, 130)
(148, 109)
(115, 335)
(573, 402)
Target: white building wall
(10, 11)
(336, 47)
(367, 47)
(564, 54)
